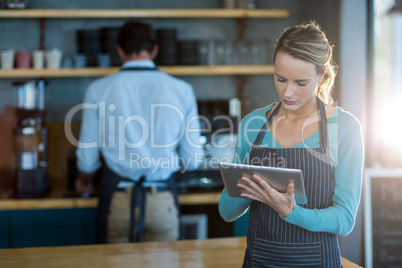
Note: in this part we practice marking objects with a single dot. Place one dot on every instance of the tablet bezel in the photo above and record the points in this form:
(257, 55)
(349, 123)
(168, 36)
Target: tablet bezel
(278, 178)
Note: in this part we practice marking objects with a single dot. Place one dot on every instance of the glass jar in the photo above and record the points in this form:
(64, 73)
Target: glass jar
(29, 102)
(30, 147)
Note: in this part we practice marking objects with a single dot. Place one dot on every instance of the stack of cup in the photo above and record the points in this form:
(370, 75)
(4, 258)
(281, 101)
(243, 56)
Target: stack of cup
(7, 59)
(23, 59)
(38, 59)
(53, 58)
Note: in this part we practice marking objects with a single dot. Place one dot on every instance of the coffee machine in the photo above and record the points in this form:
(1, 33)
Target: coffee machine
(30, 139)
(219, 120)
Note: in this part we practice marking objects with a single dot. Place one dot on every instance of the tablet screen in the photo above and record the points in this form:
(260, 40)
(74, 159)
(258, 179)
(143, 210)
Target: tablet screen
(278, 178)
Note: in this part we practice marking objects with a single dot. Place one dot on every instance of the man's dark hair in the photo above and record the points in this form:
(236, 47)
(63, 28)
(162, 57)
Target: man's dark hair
(136, 36)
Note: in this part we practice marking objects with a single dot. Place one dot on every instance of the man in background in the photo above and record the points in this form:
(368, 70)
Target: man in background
(143, 123)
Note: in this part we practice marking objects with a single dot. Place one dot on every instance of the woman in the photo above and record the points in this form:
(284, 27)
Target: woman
(302, 131)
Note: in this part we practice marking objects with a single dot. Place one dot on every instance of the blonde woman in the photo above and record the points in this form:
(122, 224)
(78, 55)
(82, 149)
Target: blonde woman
(301, 131)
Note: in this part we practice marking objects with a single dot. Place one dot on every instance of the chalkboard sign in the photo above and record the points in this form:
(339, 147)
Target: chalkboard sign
(383, 218)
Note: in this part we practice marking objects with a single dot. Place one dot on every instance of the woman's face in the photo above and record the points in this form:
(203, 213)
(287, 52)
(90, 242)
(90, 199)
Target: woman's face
(295, 80)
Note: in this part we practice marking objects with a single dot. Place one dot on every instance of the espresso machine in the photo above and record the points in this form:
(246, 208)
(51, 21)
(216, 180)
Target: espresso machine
(219, 121)
(30, 139)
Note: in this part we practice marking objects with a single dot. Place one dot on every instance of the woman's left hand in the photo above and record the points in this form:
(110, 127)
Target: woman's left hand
(259, 189)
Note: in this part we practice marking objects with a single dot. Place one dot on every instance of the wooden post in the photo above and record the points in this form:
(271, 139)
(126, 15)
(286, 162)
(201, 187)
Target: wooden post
(42, 27)
(241, 27)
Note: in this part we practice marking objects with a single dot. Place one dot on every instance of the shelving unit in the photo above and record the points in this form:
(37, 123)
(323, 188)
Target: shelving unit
(172, 70)
(144, 13)
(239, 14)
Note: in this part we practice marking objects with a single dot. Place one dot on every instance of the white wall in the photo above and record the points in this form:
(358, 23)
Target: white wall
(354, 94)
(353, 58)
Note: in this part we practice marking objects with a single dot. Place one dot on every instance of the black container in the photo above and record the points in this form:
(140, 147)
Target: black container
(188, 54)
(31, 183)
(108, 41)
(88, 43)
(216, 117)
(168, 50)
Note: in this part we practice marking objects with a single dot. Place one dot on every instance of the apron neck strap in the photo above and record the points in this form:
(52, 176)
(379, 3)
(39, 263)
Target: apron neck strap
(323, 124)
(138, 69)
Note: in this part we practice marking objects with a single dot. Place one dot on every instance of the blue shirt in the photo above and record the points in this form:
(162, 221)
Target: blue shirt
(144, 123)
(346, 151)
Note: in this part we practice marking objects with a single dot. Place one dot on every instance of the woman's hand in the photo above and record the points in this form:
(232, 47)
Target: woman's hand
(259, 189)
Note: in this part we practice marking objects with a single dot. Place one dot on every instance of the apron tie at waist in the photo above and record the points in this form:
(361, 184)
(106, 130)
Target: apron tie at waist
(151, 188)
(138, 200)
(138, 196)
(109, 182)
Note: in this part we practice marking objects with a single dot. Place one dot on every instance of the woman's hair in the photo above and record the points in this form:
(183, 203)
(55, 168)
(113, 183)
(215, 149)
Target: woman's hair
(309, 43)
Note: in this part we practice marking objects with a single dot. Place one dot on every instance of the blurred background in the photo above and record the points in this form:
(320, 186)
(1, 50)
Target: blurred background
(367, 39)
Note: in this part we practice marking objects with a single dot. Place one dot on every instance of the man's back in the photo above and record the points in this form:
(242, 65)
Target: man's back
(145, 126)
(141, 119)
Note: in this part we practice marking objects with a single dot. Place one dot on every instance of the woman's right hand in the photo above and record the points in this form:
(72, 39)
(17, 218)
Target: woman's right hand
(259, 189)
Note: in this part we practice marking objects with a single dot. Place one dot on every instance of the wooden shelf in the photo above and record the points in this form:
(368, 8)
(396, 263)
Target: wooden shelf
(48, 73)
(144, 13)
(172, 70)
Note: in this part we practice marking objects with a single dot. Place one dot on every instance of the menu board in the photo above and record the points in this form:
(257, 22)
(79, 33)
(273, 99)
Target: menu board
(383, 219)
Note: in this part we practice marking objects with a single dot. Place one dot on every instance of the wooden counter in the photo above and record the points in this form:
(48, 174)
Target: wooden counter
(210, 253)
(56, 203)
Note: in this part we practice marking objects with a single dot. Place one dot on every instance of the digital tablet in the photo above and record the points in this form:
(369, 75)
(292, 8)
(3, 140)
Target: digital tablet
(278, 178)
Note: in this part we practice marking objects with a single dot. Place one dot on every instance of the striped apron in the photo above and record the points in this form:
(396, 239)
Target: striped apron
(273, 242)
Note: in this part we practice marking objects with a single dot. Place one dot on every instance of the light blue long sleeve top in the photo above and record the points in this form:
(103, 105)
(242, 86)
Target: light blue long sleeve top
(346, 151)
(143, 123)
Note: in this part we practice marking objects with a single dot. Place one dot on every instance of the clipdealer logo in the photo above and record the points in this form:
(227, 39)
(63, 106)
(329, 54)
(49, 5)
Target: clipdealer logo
(112, 128)
(112, 132)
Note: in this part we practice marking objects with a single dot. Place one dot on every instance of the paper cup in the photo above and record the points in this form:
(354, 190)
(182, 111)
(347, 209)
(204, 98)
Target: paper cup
(53, 58)
(38, 59)
(7, 59)
(23, 59)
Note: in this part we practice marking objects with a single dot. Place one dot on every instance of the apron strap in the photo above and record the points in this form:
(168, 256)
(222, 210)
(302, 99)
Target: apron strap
(265, 127)
(139, 69)
(109, 181)
(323, 124)
(138, 196)
(138, 199)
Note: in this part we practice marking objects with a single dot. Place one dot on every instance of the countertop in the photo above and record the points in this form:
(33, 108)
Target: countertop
(209, 253)
(56, 202)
